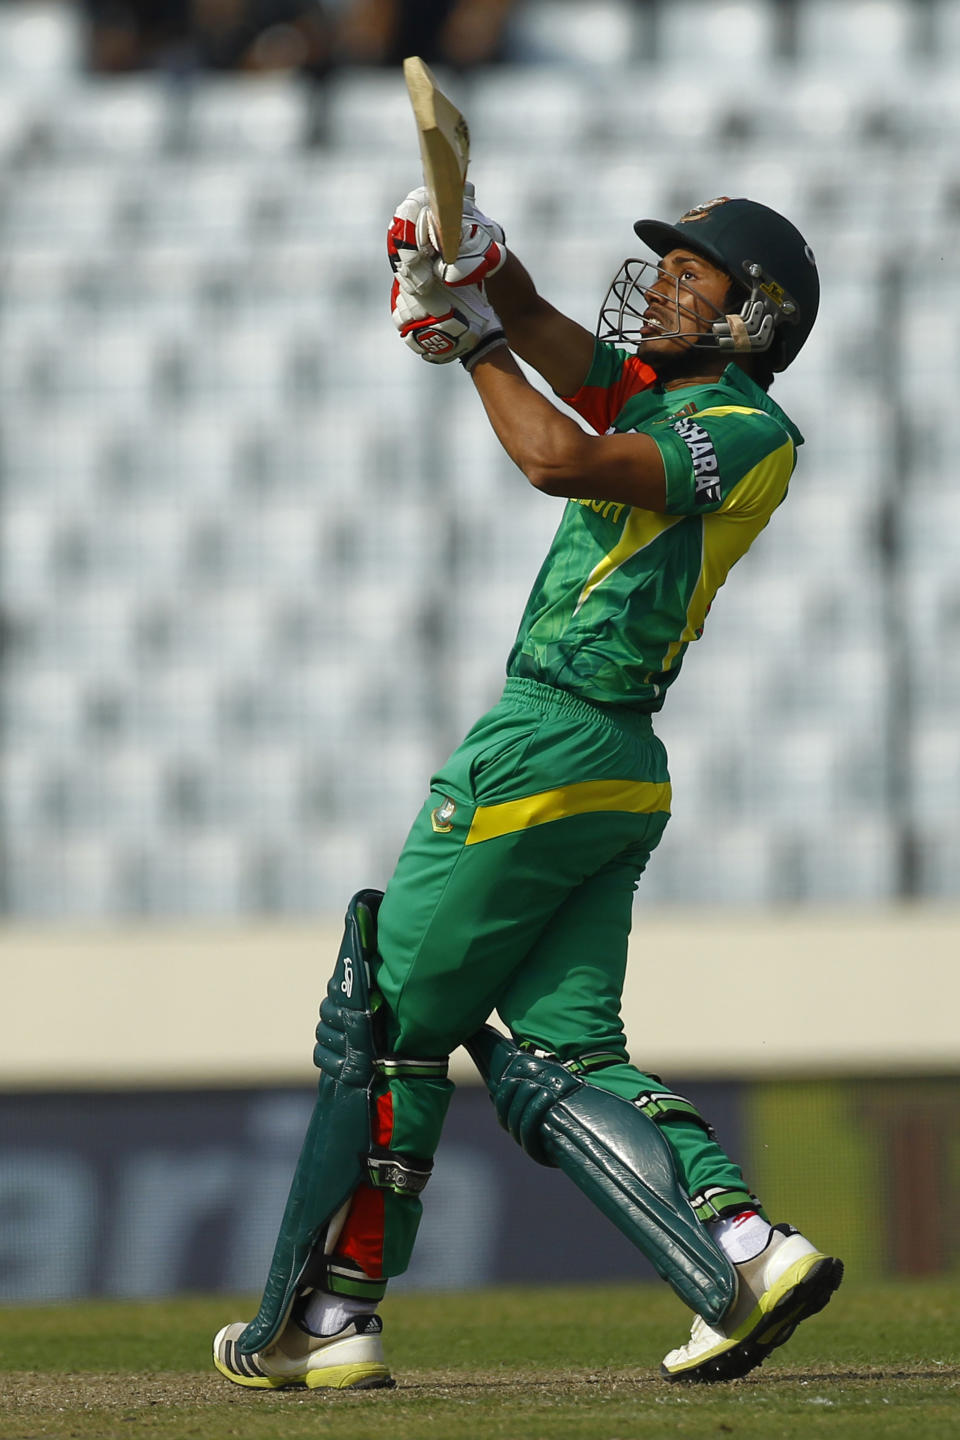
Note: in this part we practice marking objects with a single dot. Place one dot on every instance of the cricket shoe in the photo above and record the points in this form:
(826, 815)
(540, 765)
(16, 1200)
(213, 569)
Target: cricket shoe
(787, 1282)
(352, 1359)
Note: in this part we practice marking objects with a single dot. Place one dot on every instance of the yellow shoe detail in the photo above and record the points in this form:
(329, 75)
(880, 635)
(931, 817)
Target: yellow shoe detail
(771, 1298)
(349, 1377)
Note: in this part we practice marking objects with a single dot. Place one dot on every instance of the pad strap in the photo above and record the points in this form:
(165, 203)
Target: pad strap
(403, 1174)
(660, 1106)
(583, 1064)
(405, 1067)
(339, 1277)
(719, 1202)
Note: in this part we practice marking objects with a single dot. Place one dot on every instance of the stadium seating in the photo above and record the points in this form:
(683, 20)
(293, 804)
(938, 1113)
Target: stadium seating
(879, 33)
(260, 569)
(565, 33)
(740, 36)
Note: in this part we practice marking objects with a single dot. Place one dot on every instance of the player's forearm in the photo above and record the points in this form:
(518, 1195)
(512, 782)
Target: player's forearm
(556, 346)
(513, 294)
(535, 435)
(554, 453)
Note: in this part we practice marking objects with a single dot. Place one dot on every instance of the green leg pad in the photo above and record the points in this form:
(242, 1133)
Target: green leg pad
(334, 1157)
(616, 1156)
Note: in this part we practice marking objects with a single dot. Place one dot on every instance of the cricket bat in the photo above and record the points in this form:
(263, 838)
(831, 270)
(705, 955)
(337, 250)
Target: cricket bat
(444, 152)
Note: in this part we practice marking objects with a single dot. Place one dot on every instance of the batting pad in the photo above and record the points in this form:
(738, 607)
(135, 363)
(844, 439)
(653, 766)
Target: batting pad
(333, 1158)
(616, 1156)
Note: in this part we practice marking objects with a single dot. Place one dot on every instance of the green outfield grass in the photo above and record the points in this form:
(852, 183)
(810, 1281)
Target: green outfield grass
(547, 1364)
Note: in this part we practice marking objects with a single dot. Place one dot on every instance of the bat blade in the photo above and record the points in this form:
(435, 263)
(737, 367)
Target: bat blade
(444, 152)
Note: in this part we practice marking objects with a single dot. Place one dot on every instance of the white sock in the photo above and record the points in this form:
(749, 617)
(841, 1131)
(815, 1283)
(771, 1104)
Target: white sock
(325, 1314)
(742, 1236)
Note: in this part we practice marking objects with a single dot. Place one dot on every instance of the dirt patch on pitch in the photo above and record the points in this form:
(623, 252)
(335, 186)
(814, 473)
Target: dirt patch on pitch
(175, 1406)
(32, 1393)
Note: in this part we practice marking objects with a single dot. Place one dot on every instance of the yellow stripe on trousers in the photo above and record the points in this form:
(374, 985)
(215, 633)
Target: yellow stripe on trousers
(641, 797)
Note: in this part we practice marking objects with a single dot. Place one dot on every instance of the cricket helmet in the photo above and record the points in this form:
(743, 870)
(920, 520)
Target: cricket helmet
(764, 254)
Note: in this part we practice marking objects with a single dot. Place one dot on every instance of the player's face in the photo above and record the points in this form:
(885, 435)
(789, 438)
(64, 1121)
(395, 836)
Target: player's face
(688, 295)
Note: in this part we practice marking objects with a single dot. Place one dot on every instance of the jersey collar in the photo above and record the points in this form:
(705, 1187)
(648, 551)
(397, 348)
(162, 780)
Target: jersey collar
(733, 386)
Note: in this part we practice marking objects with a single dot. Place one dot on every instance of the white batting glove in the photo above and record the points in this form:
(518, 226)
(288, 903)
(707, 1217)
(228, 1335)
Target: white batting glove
(440, 327)
(412, 239)
(407, 259)
(482, 250)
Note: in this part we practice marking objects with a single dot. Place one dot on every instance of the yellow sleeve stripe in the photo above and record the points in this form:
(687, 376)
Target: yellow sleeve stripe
(640, 797)
(728, 532)
(730, 410)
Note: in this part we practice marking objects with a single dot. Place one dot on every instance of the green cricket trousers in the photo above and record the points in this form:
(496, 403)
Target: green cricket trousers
(514, 893)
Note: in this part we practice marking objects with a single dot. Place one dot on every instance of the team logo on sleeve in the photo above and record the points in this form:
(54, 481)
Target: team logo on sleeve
(706, 468)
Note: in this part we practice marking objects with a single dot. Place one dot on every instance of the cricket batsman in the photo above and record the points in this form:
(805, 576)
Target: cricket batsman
(514, 889)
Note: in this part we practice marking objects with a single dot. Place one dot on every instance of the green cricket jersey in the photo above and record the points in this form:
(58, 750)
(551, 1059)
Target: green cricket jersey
(623, 591)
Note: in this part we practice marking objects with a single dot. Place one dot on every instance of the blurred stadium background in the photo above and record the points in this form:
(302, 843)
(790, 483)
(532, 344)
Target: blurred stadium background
(259, 569)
